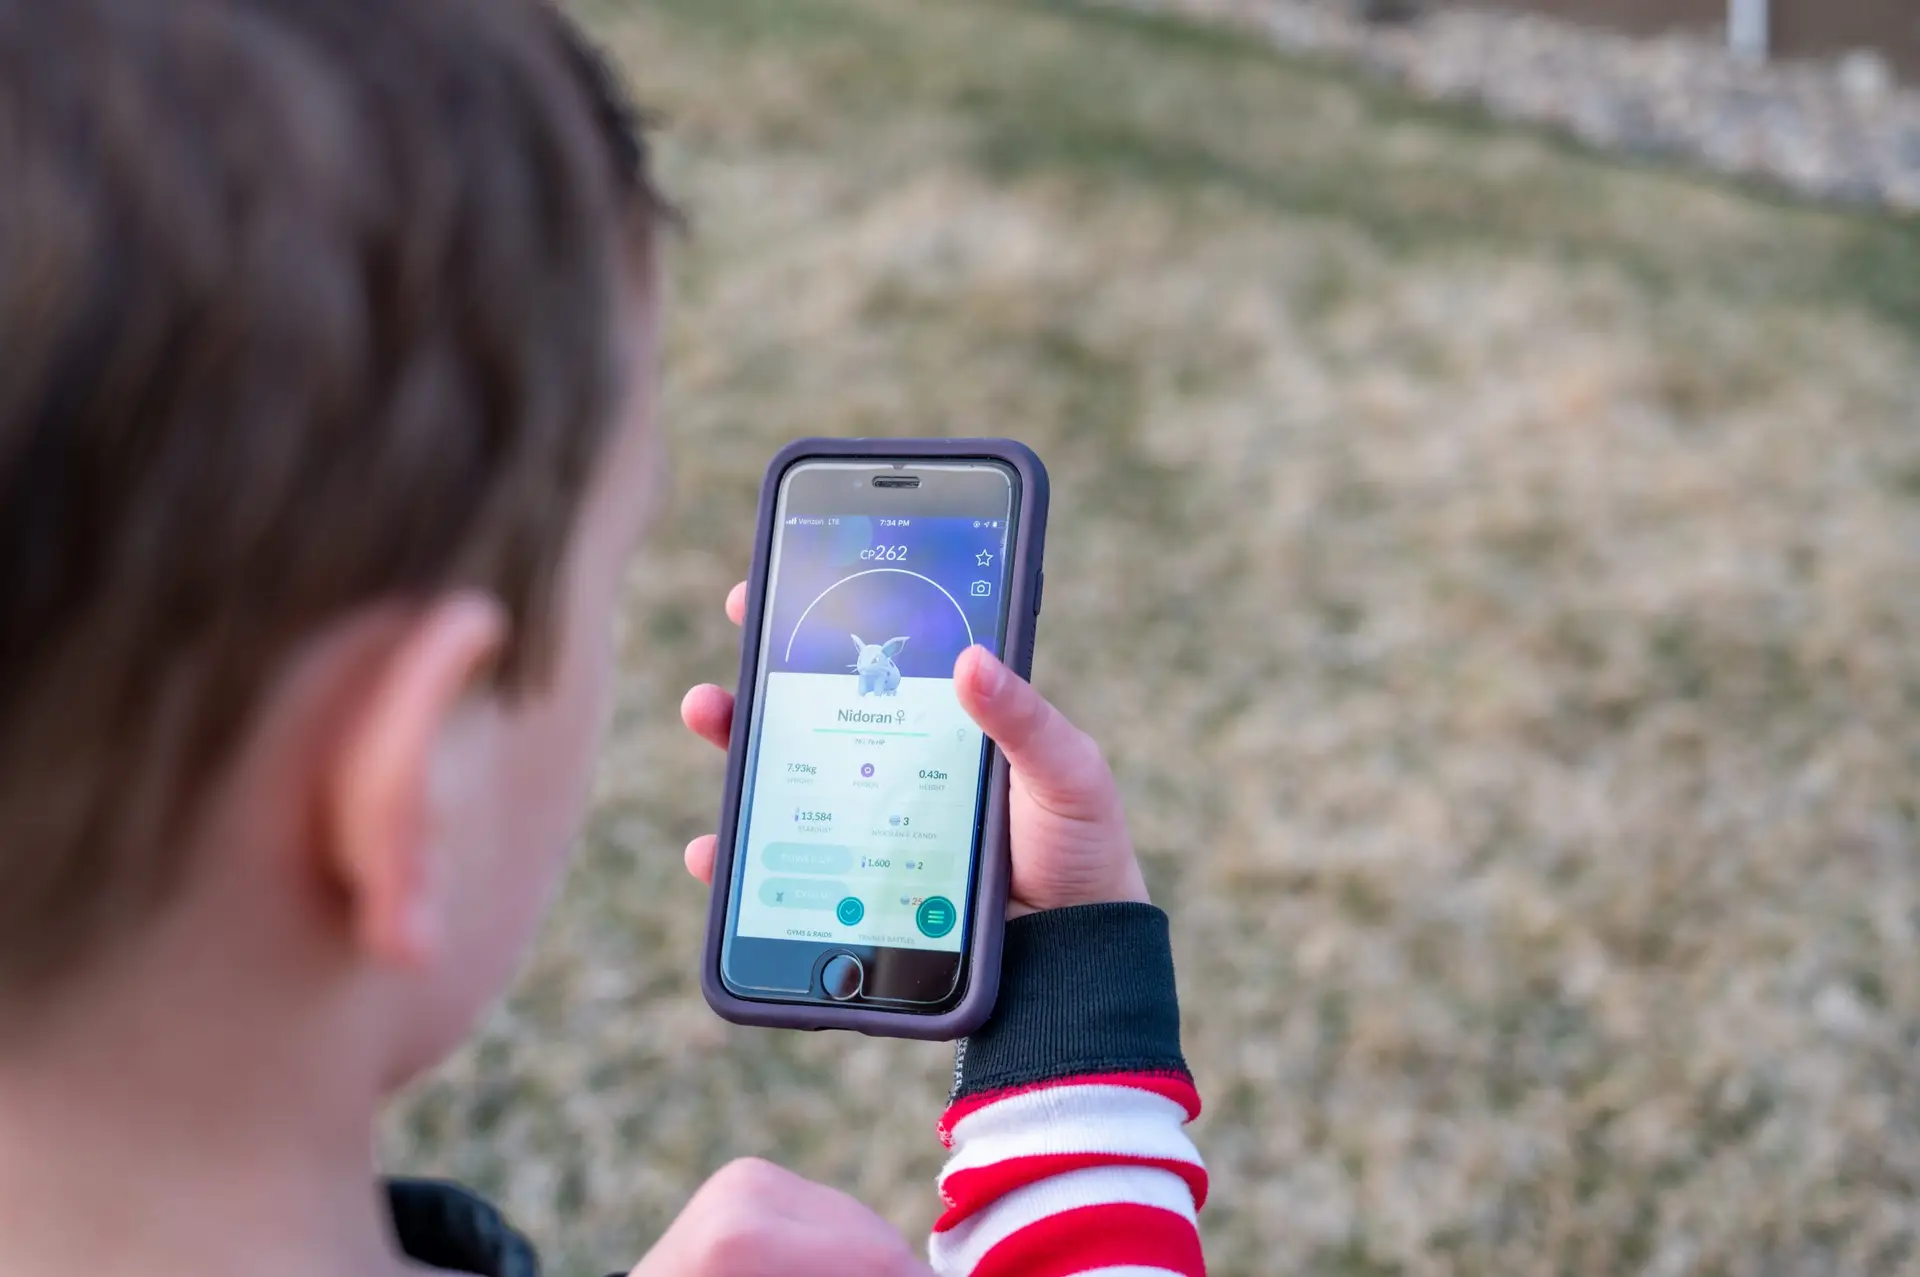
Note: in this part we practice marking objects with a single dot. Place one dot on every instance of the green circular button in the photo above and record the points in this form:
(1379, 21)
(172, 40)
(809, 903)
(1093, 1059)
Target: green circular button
(850, 911)
(936, 917)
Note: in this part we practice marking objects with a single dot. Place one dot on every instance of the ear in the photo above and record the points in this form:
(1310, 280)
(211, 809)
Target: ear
(893, 645)
(859, 644)
(380, 846)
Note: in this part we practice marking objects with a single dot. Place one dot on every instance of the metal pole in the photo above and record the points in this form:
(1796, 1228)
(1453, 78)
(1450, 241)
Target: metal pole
(1748, 28)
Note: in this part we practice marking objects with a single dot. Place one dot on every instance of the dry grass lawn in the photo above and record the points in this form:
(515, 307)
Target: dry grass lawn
(1494, 571)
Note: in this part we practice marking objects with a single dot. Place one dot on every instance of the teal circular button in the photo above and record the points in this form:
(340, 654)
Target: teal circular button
(936, 917)
(850, 911)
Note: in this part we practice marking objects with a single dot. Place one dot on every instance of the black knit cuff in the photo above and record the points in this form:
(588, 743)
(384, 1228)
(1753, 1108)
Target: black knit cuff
(1082, 990)
(447, 1226)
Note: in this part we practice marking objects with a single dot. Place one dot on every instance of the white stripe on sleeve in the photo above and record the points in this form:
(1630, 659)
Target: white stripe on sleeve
(1072, 1118)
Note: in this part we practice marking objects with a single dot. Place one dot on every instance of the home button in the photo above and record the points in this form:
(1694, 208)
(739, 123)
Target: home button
(842, 977)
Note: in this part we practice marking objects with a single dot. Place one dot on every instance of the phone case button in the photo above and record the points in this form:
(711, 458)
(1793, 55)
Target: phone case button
(1039, 587)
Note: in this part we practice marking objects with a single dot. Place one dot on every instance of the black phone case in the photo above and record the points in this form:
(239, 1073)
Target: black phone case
(989, 904)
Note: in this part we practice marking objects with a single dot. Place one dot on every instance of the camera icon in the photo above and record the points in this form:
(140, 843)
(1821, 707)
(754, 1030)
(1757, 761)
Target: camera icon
(981, 589)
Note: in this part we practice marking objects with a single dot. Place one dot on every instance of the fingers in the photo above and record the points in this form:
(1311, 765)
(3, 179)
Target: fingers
(1059, 762)
(707, 709)
(700, 853)
(708, 712)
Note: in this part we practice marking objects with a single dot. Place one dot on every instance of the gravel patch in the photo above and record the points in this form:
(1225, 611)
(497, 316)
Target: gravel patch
(1840, 130)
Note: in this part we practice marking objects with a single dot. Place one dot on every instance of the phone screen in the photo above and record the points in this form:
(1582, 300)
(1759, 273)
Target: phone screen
(860, 827)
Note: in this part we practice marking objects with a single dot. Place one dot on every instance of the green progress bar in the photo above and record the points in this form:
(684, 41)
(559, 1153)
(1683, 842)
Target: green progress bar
(864, 731)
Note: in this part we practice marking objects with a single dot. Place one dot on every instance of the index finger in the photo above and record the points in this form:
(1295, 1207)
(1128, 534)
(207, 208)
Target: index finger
(737, 603)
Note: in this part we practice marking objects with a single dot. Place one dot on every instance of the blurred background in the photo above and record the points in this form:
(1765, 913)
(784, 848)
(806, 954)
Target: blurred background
(1491, 560)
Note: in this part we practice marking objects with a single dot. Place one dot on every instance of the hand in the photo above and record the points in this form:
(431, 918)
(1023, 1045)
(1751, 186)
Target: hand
(1070, 843)
(753, 1219)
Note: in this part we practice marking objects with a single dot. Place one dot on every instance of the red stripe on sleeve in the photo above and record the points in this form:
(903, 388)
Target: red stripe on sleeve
(1173, 1086)
(1120, 1234)
(971, 1191)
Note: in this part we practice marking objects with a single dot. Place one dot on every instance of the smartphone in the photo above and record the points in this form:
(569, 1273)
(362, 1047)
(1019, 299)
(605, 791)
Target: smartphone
(861, 876)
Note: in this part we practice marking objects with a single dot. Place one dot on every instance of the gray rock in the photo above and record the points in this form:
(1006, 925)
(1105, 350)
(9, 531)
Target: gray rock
(1865, 76)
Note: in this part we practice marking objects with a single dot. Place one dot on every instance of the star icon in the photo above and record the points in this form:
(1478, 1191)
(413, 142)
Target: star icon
(983, 558)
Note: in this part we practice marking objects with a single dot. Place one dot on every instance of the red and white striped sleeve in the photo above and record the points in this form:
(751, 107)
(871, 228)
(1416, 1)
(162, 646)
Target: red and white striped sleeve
(1067, 1123)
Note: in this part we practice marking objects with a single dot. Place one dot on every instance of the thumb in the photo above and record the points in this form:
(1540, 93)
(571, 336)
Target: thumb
(1059, 763)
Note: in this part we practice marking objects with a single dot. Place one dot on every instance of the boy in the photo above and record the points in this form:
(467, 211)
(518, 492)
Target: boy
(329, 333)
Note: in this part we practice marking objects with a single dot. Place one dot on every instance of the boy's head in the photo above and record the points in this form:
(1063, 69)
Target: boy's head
(326, 333)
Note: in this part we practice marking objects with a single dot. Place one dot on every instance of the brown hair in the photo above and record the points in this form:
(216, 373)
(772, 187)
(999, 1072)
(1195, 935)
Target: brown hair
(302, 306)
